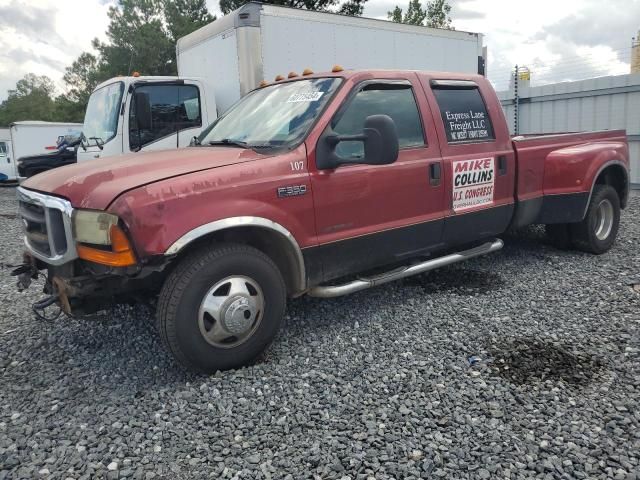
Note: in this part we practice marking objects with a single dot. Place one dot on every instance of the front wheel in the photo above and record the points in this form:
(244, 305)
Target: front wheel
(221, 307)
(597, 232)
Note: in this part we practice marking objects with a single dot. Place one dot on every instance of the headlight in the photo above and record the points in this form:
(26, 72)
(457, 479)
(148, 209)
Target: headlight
(100, 239)
(93, 227)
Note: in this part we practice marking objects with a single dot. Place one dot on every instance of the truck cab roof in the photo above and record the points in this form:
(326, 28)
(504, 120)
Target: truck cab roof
(128, 79)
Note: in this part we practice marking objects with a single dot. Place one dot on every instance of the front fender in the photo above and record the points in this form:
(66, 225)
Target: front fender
(159, 214)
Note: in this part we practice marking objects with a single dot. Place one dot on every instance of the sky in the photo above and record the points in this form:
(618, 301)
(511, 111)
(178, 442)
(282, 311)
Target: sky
(560, 40)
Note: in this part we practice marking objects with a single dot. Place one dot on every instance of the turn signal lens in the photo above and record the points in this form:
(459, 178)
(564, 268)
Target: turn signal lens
(120, 255)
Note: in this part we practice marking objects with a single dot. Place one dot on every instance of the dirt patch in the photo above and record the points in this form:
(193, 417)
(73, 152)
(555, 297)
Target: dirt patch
(461, 281)
(525, 361)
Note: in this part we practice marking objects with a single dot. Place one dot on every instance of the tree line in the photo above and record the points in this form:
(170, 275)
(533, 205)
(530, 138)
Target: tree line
(142, 36)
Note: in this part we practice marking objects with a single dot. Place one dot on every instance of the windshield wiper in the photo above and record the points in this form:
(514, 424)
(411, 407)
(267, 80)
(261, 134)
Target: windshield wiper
(230, 141)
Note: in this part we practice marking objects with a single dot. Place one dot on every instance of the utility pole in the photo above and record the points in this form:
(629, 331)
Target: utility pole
(516, 102)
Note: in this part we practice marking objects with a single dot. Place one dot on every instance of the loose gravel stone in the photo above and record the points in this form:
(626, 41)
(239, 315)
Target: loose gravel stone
(376, 385)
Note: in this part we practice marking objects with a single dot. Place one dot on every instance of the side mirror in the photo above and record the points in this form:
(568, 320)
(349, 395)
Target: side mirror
(380, 139)
(143, 110)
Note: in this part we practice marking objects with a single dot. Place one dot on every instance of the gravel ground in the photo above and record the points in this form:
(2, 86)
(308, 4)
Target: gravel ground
(524, 364)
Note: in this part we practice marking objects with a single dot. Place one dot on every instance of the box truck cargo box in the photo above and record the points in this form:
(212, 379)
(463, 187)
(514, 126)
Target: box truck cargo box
(258, 41)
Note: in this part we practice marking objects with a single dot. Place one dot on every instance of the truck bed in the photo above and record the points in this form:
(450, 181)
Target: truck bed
(540, 155)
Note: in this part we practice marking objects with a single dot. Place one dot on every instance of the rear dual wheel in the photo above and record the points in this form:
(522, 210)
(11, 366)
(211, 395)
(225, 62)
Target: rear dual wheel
(597, 232)
(221, 307)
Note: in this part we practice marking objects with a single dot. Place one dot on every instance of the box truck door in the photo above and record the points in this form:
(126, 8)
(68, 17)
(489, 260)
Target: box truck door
(163, 115)
(6, 165)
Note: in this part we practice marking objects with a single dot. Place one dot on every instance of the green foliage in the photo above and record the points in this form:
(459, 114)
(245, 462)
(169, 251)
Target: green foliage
(142, 36)
(32, 99)
(436, 14)
(349, 7)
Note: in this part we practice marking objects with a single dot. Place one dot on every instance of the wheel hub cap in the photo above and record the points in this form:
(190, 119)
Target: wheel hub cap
(604, 220)
(238, 315)
(231, 311)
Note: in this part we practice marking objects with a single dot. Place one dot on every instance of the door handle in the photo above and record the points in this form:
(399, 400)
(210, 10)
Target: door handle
(435, 174)
(502, 165)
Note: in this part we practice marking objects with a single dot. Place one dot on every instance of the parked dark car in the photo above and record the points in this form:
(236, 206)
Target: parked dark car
(66, 154)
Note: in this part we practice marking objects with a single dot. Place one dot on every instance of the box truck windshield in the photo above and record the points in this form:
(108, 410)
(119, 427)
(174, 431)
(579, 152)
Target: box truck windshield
(101, 118)
(274, 116)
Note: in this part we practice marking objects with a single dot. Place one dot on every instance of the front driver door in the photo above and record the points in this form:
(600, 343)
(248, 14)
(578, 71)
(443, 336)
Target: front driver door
(368, 216)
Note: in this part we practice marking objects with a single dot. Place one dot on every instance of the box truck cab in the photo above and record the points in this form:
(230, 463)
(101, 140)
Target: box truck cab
(136, 113)
(5, 156)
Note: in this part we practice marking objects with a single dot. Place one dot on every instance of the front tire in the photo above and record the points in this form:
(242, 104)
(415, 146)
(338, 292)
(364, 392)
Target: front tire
(597, 232)
(221, 307)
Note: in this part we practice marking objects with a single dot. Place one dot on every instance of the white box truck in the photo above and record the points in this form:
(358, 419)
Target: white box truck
(28, 138)
(226, 59)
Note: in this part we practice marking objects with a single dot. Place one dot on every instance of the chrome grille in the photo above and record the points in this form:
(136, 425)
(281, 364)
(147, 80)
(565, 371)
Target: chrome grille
(46, 222)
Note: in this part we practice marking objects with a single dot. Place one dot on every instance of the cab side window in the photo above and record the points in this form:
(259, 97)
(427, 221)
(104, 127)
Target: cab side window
(173, 108)
(393, 99)
(3, 149)
(464, 114)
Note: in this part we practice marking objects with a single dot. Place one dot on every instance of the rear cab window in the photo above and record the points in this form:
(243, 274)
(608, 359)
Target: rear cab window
(463, 111)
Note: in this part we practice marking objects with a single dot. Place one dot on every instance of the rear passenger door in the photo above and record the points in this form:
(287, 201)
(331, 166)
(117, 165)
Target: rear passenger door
(479, 162)
(371, 215)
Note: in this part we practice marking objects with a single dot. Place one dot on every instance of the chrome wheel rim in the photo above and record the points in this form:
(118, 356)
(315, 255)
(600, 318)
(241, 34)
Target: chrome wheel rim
(231, 311)
(604, 219)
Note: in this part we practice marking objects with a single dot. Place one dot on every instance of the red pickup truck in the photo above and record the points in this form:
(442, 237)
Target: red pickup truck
(319, 184)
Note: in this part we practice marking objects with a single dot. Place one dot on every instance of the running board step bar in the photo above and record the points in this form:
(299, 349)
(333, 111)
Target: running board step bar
(402, 272)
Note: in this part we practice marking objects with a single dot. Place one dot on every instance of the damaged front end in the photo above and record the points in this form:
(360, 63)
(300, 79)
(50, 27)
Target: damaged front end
(84, 256)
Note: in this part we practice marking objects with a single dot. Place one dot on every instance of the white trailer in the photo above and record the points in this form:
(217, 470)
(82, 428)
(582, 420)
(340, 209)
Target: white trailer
(257, 42)
(27, 138)
(226, 59)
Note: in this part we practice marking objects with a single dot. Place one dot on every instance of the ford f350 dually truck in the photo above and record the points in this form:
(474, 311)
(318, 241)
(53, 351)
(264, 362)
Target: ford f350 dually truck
(320, 184)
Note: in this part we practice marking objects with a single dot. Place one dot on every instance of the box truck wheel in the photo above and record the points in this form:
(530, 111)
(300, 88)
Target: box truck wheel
(221, 307)
(597, 232)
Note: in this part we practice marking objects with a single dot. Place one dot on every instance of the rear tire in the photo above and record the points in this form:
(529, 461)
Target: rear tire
(240, 286)
(597, 232)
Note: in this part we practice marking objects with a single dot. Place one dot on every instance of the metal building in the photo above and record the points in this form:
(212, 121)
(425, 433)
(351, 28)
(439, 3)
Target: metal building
(603, 103)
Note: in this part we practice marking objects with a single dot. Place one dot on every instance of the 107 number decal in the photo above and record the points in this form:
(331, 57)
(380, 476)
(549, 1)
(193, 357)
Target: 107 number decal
(296, 166)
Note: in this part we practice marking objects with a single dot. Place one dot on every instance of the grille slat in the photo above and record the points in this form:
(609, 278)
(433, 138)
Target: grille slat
(36, 231)
(47, 225)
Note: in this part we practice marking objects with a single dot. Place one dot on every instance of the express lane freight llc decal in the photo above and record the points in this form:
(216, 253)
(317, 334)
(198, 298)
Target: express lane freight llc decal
(469, 125)
(473, 183)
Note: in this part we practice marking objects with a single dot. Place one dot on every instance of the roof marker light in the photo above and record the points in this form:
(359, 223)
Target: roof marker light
(263, 83)
(135, 74)
(292, 75)
(307, 71)
(337, 68)
(279, 77)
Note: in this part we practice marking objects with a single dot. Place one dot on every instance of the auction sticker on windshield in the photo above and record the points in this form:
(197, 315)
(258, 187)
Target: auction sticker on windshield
(473, 183)
(305, 97)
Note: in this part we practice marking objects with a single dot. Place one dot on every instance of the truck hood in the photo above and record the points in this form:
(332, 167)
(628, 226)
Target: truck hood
(95, 184)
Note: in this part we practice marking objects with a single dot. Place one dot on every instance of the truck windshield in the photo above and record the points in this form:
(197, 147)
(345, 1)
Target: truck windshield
(101, 118)
(275, 116)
